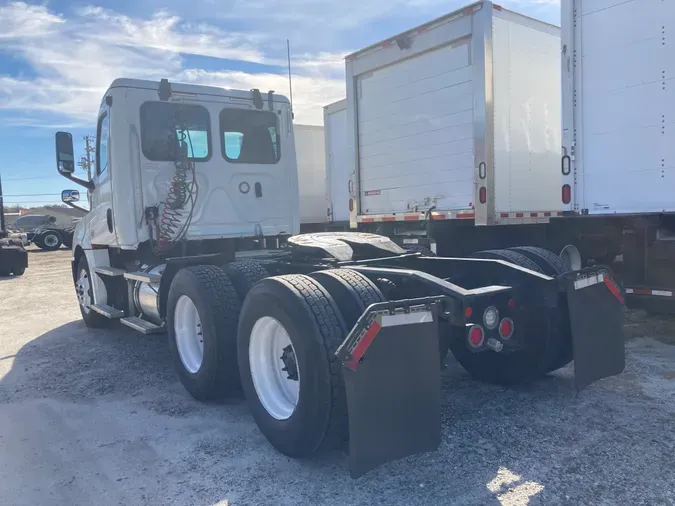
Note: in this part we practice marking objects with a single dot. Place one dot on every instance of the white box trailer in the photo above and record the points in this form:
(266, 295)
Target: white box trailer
(339, 166)
(618, 151)
(310, 156)
(457, 118)
(619, 106)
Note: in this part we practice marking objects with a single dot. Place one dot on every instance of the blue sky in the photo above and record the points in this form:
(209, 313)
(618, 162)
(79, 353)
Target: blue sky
(57, 58)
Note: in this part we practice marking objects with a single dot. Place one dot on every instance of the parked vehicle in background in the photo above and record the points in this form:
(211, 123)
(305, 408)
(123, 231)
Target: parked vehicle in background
(338, 163)
(43, 231)
(618, 159)
(454, 131)
(310, 156)
(13, 256)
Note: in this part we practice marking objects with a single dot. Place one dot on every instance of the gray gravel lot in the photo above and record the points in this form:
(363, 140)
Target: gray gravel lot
(98, 417)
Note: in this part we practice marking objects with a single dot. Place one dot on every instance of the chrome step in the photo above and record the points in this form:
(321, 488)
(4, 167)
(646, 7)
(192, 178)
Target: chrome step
(108, 311)
(143, 276)
(109, 271)
(142, 326)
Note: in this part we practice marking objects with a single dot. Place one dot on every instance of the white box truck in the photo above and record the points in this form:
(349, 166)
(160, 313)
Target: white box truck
(310, 156)
(338, 163)
(618, 149)
(455, 123)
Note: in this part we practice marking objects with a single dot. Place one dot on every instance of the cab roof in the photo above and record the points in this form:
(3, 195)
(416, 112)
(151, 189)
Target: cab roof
(193, 89)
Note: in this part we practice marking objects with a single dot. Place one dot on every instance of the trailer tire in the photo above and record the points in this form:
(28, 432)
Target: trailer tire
(244, 274)
(51, 240)
(520, 366)
(298, 314)
(18, 271)
(85, 296)
(202, 303)
(550, 263)
(513, 257)
(352, 291)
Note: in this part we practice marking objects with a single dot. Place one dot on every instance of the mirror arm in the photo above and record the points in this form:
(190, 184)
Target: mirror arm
(75, 206)
(89, 185)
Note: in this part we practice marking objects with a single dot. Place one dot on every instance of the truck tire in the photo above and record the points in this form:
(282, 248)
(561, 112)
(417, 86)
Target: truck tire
(550, 263)
(289, 330)
(50, 240)
(202, 316)
(85, 296)
(520, 366)
(352, 291)
(18, 271)
(244, 274)
(513, 257)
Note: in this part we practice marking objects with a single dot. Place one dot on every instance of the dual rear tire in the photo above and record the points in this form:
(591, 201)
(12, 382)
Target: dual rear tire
(273, 337)
(547, 342)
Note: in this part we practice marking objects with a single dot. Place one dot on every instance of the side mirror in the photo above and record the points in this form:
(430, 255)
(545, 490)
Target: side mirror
(65, 160)
(68, 196)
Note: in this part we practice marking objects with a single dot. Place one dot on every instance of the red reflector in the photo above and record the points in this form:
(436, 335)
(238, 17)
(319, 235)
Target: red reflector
(482, 195)
(476, 336)
(506, 328)
(468, 312)
(566, 194)
(512, 303)
(351, 205)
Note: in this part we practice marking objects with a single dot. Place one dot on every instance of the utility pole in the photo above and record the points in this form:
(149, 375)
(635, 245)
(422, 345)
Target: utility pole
(86, 161)
(2, 213)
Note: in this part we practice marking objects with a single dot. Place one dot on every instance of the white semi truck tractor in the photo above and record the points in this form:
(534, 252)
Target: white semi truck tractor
(335, 338)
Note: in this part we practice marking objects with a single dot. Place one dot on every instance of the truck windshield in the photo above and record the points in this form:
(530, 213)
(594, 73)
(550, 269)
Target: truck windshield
(250, 136)
(162, 123)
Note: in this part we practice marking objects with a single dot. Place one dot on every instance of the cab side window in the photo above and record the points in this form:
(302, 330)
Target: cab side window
(102, 144)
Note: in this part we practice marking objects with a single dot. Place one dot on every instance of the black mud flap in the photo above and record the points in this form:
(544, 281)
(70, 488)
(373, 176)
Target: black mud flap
(596, 317)
(392, 377)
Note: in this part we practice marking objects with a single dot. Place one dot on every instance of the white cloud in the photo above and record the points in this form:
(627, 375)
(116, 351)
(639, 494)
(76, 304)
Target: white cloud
(74, 57)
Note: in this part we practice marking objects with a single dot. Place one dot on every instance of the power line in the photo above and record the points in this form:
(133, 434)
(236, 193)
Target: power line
(34, 195)
(31, 178)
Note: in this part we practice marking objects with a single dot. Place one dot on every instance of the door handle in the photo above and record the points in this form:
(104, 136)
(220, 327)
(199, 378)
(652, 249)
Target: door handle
(109, 219)
(258, 190)
(350, 186)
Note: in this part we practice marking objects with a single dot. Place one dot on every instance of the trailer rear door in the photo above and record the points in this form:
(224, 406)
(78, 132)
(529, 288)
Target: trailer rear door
(619, 70)
(414, 120)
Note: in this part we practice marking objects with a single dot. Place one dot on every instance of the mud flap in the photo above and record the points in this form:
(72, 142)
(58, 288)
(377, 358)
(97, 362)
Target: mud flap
(596, 318)
(392, 378)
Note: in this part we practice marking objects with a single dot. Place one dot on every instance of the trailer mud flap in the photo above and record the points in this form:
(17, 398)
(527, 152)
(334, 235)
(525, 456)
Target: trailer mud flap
(596, 317)
(392, 378)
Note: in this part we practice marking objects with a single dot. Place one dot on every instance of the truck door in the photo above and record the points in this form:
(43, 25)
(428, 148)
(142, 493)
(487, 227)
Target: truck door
(258, 146)
(101, 215)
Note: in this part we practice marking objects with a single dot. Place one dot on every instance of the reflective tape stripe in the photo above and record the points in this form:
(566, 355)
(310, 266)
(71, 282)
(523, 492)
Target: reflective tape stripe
(407, 318)
(649, 291)
(589, 281)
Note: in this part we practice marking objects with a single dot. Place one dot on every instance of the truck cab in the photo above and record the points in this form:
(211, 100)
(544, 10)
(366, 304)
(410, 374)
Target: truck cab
(180, 161)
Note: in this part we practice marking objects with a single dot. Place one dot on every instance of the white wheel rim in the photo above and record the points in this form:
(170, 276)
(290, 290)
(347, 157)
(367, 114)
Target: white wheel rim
(270, 351)
(189, 336)
(51, 240)
(83, 289)
(571, 256)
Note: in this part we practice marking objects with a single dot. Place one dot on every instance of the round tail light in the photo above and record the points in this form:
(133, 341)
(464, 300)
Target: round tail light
(476, 336)
(491, 317)
(506, 328)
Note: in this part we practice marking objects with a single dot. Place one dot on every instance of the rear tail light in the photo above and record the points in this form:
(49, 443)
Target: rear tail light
(491, 317)
(566, 194)
(476, 336)
(468, 312)
(506, 328)
(351, 205)
(482, 195)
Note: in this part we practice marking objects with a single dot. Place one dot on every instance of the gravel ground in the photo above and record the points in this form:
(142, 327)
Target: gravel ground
(98, 417)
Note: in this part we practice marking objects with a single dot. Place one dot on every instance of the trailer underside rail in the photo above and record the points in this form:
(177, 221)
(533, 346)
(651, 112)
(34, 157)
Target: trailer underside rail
(390, 366)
